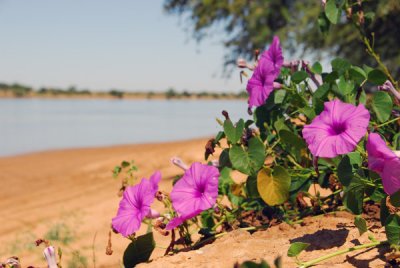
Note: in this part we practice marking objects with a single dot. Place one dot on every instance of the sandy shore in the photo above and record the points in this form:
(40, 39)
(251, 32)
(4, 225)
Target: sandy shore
(70, 195)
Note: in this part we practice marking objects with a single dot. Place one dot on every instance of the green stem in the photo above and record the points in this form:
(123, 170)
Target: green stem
(340, 252)
(377, 58)
(388, 122)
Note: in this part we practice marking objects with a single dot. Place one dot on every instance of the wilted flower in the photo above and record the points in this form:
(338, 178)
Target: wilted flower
(261, 84)
(195, 192)
(384, 162)
(337, 130)
(135, 205)
(12, 262)
(49, 254)
(175, 222)
(388, 86)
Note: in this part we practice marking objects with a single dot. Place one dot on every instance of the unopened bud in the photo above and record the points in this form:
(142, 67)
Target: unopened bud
(49, 254)
(153, 214)
(388, 86)
(225, 114)
(277, 85)
(241, 63)
(179, 162)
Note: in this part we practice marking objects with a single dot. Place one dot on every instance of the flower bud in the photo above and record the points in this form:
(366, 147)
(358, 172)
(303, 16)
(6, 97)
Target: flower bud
(153, 214)
(178, 162)
(277, 85)
(388, 86)
(50, 256)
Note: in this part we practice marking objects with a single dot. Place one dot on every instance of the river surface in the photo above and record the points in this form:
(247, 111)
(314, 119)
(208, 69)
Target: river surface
(30, 125)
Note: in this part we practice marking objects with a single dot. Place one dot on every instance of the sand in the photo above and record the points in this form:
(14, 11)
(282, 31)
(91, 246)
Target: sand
(70, 195)
(73, 191)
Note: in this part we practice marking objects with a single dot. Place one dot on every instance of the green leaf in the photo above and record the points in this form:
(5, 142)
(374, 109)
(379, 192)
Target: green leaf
(207, 219)
(299, 76)
(116, 171)
(274, 185)
(296, 248)
(345, 87)
(357, 74)
(382, 105)
(251, 187)
(396, 141)
(384, 212)
(251, 264)
(233, 133)
(317, 68)
(225, 181)
(279, 96)
(395, 199)
(332, 11)
(250, 161)
(322, 91)
(224, 160)
(347, 167)
(308, 112)
(139, 250)
(354, 195)
(361, 224)
(125, 164)
(292, 139)
(392, 227)
(323, 23)
(340, 65)
(377, 77)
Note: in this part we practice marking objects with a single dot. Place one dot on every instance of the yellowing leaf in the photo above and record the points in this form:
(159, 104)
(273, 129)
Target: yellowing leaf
(273, 185)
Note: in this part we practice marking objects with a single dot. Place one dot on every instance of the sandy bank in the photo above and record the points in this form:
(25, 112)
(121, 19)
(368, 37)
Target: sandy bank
(71, 195)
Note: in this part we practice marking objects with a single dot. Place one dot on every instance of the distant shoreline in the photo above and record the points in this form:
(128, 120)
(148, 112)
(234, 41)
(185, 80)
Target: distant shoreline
(21, 91)
(127, 96)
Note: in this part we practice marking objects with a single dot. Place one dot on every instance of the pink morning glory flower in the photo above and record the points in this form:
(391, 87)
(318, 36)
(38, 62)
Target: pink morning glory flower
(391, 176)
(195, 192)
(337, 130)
(378, 153)
(384, 162)
(261, 84)
(135, 205)
(175, 222)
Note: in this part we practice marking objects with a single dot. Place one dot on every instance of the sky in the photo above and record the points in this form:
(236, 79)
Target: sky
(131, 45)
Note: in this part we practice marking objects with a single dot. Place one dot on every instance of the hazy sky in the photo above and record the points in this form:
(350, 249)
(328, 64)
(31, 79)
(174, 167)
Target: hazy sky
(104, 44)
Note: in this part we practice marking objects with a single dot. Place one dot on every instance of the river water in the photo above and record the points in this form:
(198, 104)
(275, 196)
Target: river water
(30, 125)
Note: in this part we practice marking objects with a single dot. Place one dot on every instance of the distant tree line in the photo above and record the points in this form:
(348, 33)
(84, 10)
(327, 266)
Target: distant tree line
(19, 91)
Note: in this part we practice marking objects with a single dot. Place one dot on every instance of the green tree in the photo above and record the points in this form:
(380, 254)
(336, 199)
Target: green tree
(249, 24)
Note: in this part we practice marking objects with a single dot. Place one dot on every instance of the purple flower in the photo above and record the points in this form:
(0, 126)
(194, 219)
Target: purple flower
(378, 153)
(391, 176)
(260, 84)
(175, 222)
(135, 205)
(337, 130)
(384, 162)
(195, 192)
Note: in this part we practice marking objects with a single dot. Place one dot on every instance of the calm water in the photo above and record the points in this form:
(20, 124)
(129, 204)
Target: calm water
(28, 125)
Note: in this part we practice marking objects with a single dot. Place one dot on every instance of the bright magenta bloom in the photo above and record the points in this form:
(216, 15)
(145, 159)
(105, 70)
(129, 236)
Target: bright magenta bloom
(135, 205)
(261, 83)
(384, 161)
(337, 130)
(195, 192)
